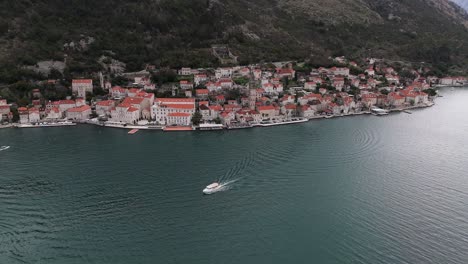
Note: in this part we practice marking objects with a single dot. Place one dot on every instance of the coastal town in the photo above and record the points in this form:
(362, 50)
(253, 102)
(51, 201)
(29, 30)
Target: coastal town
(231, 97)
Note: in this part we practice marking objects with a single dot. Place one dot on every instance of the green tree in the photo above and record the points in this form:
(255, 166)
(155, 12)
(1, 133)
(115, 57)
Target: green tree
(196, 118)
(431, 92)
(217, 120)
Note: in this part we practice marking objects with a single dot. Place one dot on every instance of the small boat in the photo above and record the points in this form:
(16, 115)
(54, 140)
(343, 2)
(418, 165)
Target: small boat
(212, 188)
(133, 131)
(4, 148)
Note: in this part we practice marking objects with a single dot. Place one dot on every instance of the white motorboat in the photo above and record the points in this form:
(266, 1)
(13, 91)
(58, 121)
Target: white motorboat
(4, 148)
(212, 188)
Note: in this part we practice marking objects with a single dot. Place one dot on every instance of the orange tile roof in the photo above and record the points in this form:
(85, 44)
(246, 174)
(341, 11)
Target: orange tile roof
(265, 108)
(79, 109)
(133, 100)
(87, 81)
(105, 103)
(180, 106)
(179, 114)
(175, 100)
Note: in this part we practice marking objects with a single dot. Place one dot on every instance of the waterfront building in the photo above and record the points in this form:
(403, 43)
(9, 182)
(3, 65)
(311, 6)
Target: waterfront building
(125, 113)
(268, 111)
(104, 107)
(306, 111)
(179, 119)
(227, 117)
(64, 105)
(247, 115)
(215, 111)
(24, 115)
(4, 111)
(164, 106)
(80, 113)
(54, 114)
(289, 110)
(369, 99)
(205, 112)
(34, 115)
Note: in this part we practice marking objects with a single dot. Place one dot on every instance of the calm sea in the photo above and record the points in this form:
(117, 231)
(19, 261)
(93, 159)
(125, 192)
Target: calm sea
(361, 189)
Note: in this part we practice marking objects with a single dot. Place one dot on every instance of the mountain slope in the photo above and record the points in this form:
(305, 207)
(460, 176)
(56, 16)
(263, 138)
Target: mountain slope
(180, 32)
(462, 3)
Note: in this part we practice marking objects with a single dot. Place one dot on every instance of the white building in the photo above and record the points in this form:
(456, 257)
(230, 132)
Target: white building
(180, 119)
(164, 106)
(200, 78)
(343, 71)
(64, 105)
(34, 115)
(185, 71)
(125, 113)
(104, 107)
(80, 113)
(24, 115)
(54, 113)
(82, 86)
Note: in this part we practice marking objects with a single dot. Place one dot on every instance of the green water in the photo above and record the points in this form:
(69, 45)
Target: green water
(361, 189)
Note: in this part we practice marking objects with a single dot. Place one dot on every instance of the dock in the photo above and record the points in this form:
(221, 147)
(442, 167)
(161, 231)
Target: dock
(178, 128)
(133, 131)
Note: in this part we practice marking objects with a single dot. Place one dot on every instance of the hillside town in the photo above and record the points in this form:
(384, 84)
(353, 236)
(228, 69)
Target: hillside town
(233, 97)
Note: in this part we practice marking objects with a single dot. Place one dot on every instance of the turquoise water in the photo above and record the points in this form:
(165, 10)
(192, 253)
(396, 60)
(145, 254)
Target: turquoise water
(351, 190)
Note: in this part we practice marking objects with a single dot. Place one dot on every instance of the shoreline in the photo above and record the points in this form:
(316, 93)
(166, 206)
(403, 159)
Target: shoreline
(292, 121)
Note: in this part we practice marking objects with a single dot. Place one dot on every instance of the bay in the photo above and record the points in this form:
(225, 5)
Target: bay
(361, 189)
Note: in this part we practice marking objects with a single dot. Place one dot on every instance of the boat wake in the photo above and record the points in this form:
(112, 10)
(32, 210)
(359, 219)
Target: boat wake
(2, 148)
(227, 181)
(224, 186)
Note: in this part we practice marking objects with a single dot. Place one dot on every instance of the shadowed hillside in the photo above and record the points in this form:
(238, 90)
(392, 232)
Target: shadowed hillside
(179, 32)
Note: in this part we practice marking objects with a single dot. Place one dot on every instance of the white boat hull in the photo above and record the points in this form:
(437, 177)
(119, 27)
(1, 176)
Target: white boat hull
(212, 190)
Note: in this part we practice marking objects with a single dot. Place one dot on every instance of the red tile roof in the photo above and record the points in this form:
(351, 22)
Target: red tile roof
(105, 103)
(175, 100)
(265, 108)
(79, 109)
(202, 91)
(179, 114)
(83, 81)
(179, 106)
(133, 100)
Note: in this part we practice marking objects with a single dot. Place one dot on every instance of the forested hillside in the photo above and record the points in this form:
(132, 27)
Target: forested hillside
(180, 32)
